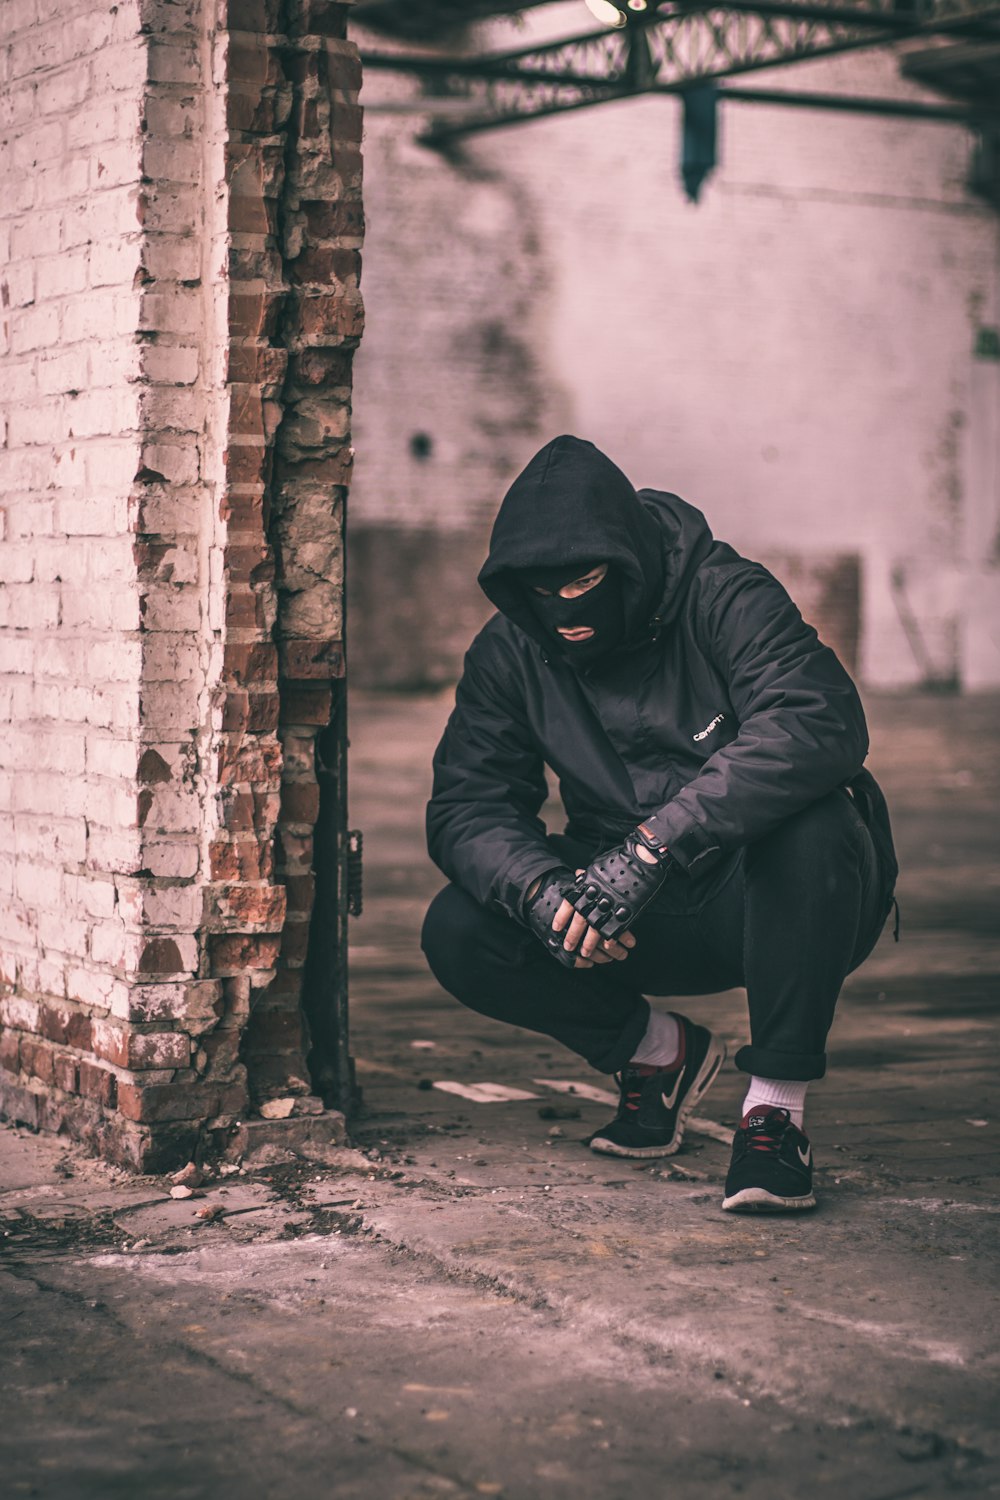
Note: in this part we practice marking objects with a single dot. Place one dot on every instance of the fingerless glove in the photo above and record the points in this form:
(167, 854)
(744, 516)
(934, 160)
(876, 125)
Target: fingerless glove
(618, 884)
(556, 887)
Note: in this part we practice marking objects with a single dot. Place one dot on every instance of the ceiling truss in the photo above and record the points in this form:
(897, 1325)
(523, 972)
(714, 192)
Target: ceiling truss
(691, 45)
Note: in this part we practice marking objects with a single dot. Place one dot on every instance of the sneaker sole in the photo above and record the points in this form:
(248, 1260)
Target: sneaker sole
(707, 1074)
(759, 1201)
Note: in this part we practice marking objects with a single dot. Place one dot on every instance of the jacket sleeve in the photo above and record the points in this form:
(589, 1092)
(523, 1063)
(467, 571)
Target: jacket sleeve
(802, 729)
(483, 828)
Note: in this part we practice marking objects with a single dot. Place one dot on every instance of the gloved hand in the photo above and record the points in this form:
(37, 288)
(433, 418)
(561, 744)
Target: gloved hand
(618, 884)
(539, 910)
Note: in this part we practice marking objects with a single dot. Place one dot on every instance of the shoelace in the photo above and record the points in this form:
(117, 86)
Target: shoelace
(630, 1096)
(762, 1140)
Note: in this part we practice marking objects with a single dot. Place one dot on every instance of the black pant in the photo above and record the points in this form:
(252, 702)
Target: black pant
(794, 913)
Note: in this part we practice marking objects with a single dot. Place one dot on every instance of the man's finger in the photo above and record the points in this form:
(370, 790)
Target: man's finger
(600, 957)
(591, 943)
(584, 963)
(561, 917)
(575, 931)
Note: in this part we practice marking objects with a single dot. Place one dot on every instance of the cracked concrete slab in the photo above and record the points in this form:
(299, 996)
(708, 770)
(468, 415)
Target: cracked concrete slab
(463, 1303)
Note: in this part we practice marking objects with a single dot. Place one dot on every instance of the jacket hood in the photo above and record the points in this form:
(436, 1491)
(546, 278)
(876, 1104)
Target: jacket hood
(571, 504)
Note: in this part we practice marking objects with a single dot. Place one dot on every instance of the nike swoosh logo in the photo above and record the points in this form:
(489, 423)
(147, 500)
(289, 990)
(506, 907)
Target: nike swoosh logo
(669, 1103)
(805, 1157)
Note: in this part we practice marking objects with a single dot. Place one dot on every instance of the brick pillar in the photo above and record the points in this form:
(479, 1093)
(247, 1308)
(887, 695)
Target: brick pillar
(295, 316)
(148, 574)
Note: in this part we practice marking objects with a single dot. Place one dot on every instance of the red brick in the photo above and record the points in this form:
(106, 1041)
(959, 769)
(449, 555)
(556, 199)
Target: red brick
(255, 713)
(235, 713)
(149, 555)
(10, 1051)
(332, 471)
(294, 943)
(256, 363)
(245, 609)
(305, 703)
(299, 802)
(343, 218)
(153, 769)
(276, 1076)
(249, 62)
(272, 1031)
(293, 851)
(262, 715)
(304, 661)
(250, 564)
(98, 1083)
(243, 513)
(323, 18)
(246, 411)
(252, 111)
(324, 264)
(255, 761)
(322, 367)
(152, 1103)
(254, 314)
(251, 811)
(68, 1028)
(236, 952)
(338, 313)
(67, 1073)
(161, 956)
(301, 892)
(285, 990)
(243, 859)
(128, 1048)
(222, 1048)
(253, 215)
(253, 905)
(348, 124)
(251, 664)
(247, 463)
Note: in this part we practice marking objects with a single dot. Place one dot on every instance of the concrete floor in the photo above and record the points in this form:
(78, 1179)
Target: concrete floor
(469, 1302)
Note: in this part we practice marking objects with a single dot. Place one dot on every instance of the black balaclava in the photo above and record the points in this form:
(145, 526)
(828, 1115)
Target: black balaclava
(570, 508)
(602, 608)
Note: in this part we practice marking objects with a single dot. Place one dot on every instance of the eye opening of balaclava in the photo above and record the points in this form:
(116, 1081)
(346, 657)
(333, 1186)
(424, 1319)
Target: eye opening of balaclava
(602, 608)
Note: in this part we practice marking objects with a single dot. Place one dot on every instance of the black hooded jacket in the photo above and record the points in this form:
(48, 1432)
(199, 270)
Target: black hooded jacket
(723, 713)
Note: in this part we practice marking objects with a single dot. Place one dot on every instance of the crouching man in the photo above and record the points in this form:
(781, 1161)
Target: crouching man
(721, 830)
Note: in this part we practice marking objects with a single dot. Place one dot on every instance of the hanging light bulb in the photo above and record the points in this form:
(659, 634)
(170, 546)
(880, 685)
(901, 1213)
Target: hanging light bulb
(608, 14)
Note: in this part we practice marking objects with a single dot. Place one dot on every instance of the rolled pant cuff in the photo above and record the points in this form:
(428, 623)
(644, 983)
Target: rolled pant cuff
(625, 1047)
(800, 1067)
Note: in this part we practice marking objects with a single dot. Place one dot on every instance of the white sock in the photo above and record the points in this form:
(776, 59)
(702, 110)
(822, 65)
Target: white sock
(780, 1093)
(661, 1044)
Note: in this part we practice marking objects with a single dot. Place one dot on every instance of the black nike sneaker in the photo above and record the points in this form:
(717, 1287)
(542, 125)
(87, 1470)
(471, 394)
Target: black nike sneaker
(655, 1102)
(771, 1169)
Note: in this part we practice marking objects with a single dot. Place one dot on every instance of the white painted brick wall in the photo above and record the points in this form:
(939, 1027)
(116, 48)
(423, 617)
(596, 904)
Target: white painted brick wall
(104, 648)
(70, 165)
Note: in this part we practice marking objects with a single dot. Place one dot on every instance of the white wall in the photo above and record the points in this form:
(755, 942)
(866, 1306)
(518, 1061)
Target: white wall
(794, 354)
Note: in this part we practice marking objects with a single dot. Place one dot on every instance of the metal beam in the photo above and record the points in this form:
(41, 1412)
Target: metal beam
(901, 109)
(669, 53)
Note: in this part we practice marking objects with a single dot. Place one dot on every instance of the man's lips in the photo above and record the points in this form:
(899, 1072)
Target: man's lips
(578, 633)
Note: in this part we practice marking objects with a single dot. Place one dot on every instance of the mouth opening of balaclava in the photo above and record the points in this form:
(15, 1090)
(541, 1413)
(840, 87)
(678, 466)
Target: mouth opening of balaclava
(601, 609)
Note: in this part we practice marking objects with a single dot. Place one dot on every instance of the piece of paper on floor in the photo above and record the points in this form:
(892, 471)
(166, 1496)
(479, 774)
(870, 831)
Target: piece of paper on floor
(483, 1093)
